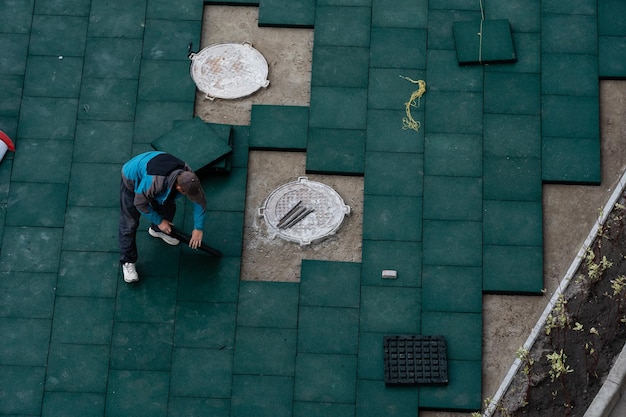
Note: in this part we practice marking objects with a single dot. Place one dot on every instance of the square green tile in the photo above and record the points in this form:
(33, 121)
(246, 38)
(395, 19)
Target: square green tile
(522, 19)
(90, 148)
(371, 356)
(567, 160)
(453, 198)
(262, 396)
(201, 373)
(403, 257)
(454, 112)
(336, 151)
(397, 13)
(56, 404)
(208, 279)
(93, 326)
(77, 368)
(161, 80)
(483, 41)
(569, 74)
(279, 127)
(513, 223)
(452, 289)
(340, 66)
(325, 378)
(27, 294)
(138, 393)
(265, 351)
(117, 19)
(328, 330)
(523, 93)
(444, 73)
(49, 76)
(462, 393)
(513, 269)
(64, 7)
(192, 329)
(12, 86)
(330, 284)
(9, 126)
(528, 54)
(287, 13)
(170, 39)
(17, 17)
(88, 274)
(23, 389)
(575, 6)
(185, 10)
(15, 48)
(452, 5)
(397, 48)
(392, 218)
(157, 258)
(112, 58)
(79, 219)
(374, 399)
(453, 154)
(24, 341)
(153, 118)
(611, 52)
(268, 304)
(200, 407)
(386, 132)
(342, 26)
(452, 243)
(610, 22)
(391, 89)
(390, 309)
(344, 2)
(142, 346)
(462, 331)
(306, 409)
(24, 206)
(48, 118)
(512, 179)
(32, 249)
(338, 107)
(512, 135)
(440, 26)
(223, 231)
(94, 185)
(108, 99)
(45, 39)
(388, 173)
(152, 300)
(569, 34)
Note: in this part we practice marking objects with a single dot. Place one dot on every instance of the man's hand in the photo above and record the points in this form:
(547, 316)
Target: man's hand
(166, 226)
(196, 239)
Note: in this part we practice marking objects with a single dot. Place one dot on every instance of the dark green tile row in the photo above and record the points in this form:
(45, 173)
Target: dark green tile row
(287, 13)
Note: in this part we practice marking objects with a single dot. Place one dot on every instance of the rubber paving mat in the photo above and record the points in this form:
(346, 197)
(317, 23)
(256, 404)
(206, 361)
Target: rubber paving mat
(415, 360)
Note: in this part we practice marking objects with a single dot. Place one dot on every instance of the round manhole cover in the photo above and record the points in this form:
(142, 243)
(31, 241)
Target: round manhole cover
(229, 70)
(304, 211)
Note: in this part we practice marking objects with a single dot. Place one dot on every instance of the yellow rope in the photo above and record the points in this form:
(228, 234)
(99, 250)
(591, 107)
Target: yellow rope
(408, 122)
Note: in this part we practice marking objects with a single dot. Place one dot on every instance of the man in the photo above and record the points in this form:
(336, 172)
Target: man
(151, 183)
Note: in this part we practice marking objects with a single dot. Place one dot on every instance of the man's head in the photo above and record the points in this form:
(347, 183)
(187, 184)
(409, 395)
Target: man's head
(188, 184)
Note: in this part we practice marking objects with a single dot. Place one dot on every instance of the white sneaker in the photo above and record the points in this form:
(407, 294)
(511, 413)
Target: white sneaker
(130, 273)
(166, 238)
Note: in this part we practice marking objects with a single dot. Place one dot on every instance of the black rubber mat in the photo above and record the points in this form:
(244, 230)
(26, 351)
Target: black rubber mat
(415, 359)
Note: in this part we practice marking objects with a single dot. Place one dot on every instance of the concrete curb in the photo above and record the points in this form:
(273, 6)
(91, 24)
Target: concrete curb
(611, 391)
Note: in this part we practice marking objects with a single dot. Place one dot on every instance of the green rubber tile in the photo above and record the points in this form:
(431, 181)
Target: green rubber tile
(569, 74)
(452, 5)
(279, 127)
(398, 48)
(523, 93)
(610, 22)
(123, 398)
(386, 132)
(47, 118)
(567, 160)
(453, 154)
(90, 148)
(142, 346)
(523, 225)
(391, 89)
(611, 53)
(522, 19)
(25, 209)
(27, 294)
(398, 13)
(342, 26)
(56, 404)
(336, 151)
(392, 218)
(462, 331)
(41, 254)
(170, 39)
(306, 409)
(440, 26)
(240, 145)
(15, 48)
(453, 198)
(161, 80)
(12, 86)
(444, 74)
(511, 135)
(287, 13)
(153, 118)
(223, 231)
(201, 407)
(340, 66)
(454, 112)
(191, 329)
(23, 389)
(507, 178)
(452, 243)
(528, 54)
(184, 10)
(9, 126)
(201, 373)
(265, 351)
(156, 258)
(338, 107)
(392, 173)
(513, 269)
(25, 341)
(153, 300)
(93, 326)
(570, 116)
(328, 330)
(325, 378)
(403, 257)
(77, 368)
(78, 219)
(268, 304)
(574, 7)
(262, 396)
(208, 279)
(452, 289)
(108, 99)
(58, 35)
(371, 356)
(390, 309)
(483, 42)
(569, 34)
(462, 393)
(64, 7)
(17, 17)
(117, 19)
(87, 274)
(87, 177)
(330, 284)
(344, 2)
(374, 398)
(112, 58)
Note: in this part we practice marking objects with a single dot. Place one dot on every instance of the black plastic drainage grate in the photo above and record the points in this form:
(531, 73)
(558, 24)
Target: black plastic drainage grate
(415, 360)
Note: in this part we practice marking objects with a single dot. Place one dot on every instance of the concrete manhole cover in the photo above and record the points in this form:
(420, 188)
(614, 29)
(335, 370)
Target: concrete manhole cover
(303, 211)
